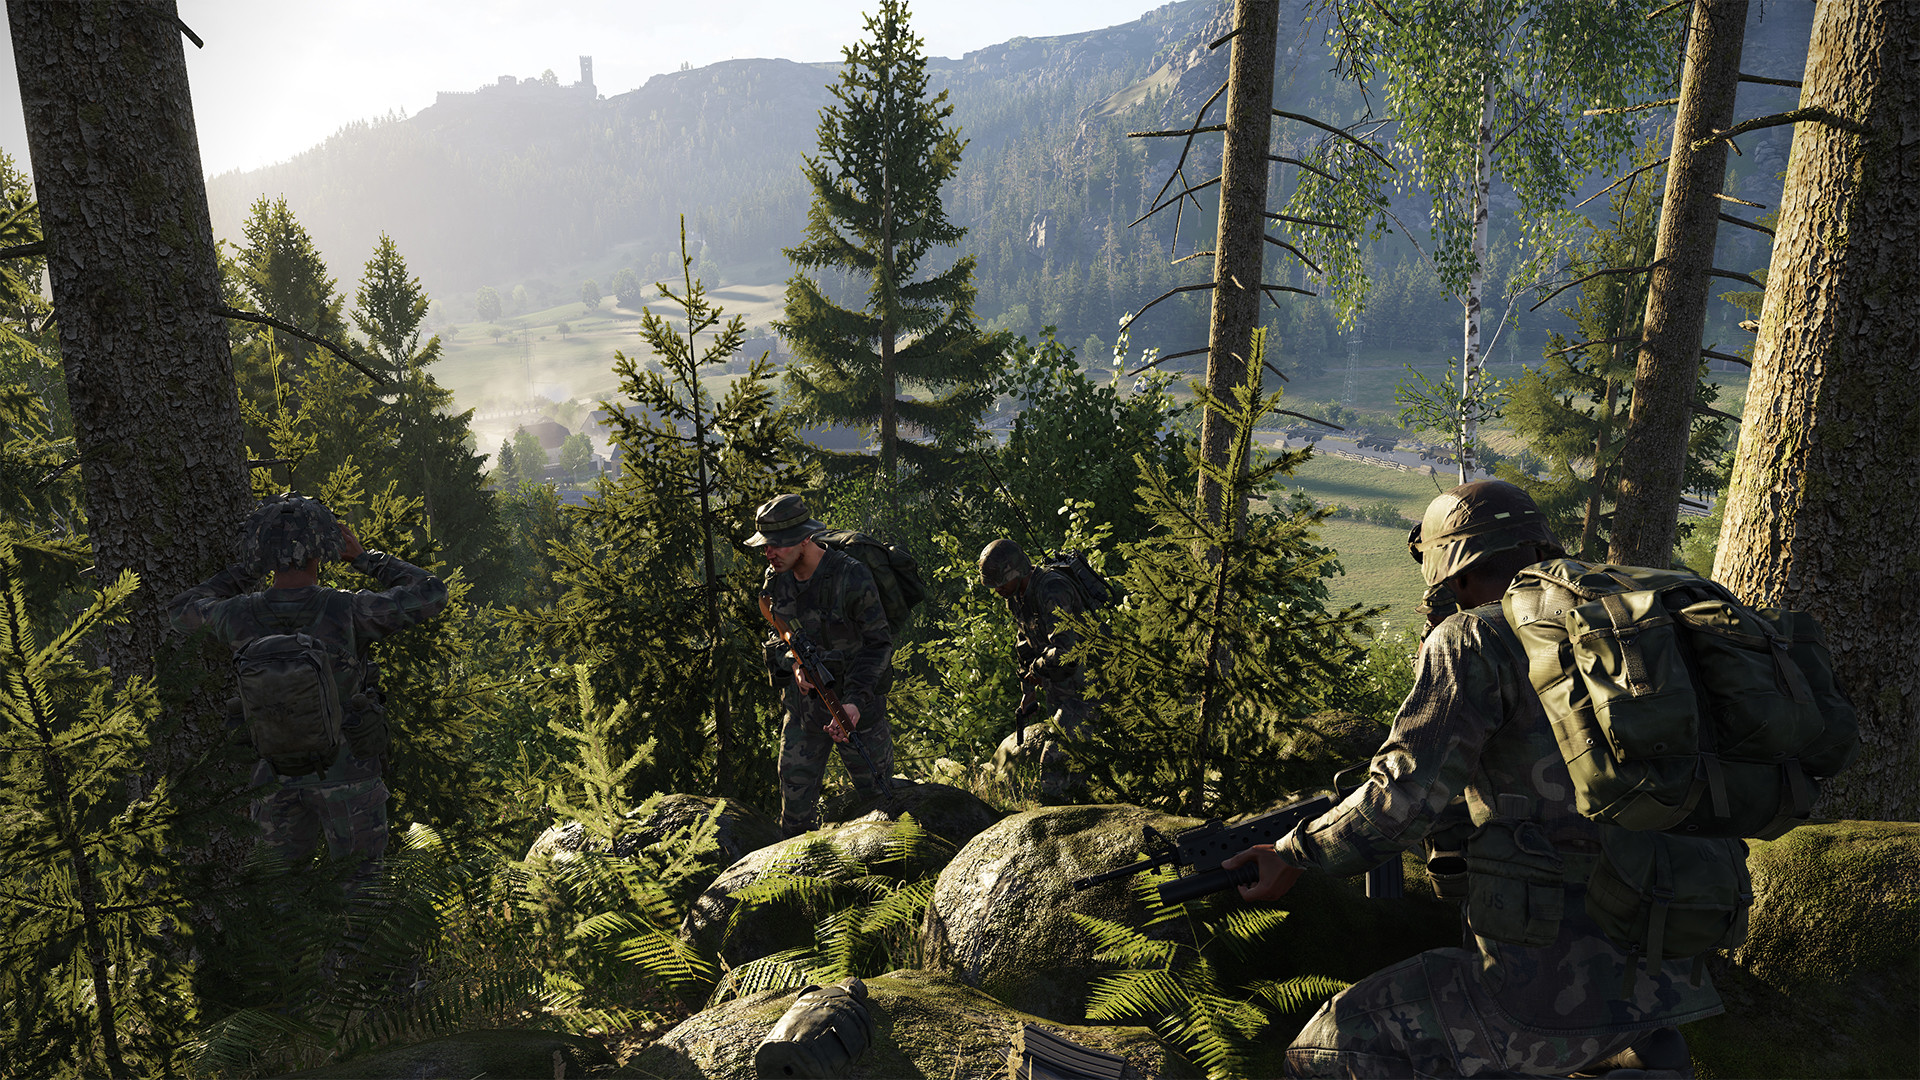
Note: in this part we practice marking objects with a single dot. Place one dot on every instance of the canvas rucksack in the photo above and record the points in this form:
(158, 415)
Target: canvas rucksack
(895, 573)
(1094, 591)
(290, 697)
(1676, 707)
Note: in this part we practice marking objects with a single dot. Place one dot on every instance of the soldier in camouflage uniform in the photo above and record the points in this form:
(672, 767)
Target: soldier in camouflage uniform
(346, 804)
(831, 598)
(1537, 989)
(1037, 599)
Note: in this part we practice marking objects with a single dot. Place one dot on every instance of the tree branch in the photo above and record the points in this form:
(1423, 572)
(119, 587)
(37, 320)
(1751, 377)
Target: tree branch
(1708, 410)
(1334, 130)
(226, 312)
(1745, 224)
(1622, 180)
(1762, 79)
(1717, 272)
(1181, 131)
(1229, 36)
(1297, 253)
(1585, 344)
(1724, 197)
(1642, 107)
(1184, 258)
(1271, 289)
(1652, 15)
(1315, 419)
(1600, 273)
(24, 251)
(1711, 355)
(1170, 202)
(1813, 114)
(1158, 360)
(1307, 221)
(1170, 292)
(1296, 161)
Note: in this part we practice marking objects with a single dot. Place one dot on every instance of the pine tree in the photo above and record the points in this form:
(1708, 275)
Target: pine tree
(285, 277)
(885, 151)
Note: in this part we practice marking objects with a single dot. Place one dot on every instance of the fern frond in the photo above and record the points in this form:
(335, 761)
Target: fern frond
(1298, 995)
(1135, 995)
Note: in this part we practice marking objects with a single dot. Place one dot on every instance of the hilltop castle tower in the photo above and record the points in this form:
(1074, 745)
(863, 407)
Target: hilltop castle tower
(586, 74)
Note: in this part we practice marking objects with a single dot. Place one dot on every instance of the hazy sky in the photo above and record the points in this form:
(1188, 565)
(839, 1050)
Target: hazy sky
(278, 76)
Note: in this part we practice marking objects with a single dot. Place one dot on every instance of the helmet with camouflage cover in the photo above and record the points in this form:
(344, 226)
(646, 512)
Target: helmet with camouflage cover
(1003, 561)
(287, 531)
(1472, 521)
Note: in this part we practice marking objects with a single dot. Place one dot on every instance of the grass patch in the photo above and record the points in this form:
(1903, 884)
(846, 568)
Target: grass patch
(1378, 570)
(1328, 479)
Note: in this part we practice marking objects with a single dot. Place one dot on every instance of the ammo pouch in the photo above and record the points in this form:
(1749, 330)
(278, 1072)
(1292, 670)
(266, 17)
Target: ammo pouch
(823, 1034)
(1516, 878)
(1665, 896)
(366, 725)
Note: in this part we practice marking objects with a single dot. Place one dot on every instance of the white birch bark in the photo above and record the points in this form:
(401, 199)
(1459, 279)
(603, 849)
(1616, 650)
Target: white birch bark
(1472, 364)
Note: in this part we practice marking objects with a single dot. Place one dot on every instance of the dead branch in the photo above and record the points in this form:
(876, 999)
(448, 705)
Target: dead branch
(1642, 107)
(1158, 360)
(1724, 197)
(1711, 355)
(1745, 224)
(188, 30)
(1170, 202)
(1277, 242)
(1179, 167)
(1184, 258)
(1307, 221)
(1315, 419)
(1600, 273)
(1736, 276)
(1296, 161)
(267, 320)
(1749, 325)
(1276, 371)
(1813, 114)
(1585, 344)
(24, 251)
(1762, 79)
(1229, 36)
(1652, 15)
(1334, 130)
(1622, 180)
(1271, 289)
(1181, 131)
(1708, 410)
(1170, 292)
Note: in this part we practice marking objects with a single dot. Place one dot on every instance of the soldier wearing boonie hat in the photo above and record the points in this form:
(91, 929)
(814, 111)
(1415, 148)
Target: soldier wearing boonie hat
(831, 597)
(1536, 989)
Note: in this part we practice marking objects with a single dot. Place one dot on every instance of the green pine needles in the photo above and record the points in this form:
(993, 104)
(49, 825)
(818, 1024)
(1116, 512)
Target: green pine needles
(1224, 642)
(885, 152)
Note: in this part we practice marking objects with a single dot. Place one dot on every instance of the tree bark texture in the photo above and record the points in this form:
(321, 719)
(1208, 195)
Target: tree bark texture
(1473, 365)
(1653, 459)
(116, 167)
(1824, 510)
(1240, 245)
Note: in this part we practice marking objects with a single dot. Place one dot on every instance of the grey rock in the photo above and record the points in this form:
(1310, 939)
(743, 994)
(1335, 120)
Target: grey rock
(492, 1054)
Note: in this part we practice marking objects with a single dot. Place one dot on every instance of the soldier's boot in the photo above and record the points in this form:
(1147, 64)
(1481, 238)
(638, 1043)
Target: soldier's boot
(1659, 1055)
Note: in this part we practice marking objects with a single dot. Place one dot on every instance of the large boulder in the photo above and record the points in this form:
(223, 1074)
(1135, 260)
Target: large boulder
(1002, 912)
(772, 927)
(953, 814)
(925, 1024)
(1828, 983)
(504, 1054)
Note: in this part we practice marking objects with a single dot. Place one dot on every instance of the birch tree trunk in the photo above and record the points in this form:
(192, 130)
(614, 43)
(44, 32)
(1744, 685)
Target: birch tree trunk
(1240, 244)
(116, 166)
(1472, 364)
(1653, 457)
(1824, 509)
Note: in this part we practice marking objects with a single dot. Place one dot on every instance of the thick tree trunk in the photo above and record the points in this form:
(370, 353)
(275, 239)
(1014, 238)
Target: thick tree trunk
(1240, 245)
(116, 165)
(1824, 508)
(1653, 458)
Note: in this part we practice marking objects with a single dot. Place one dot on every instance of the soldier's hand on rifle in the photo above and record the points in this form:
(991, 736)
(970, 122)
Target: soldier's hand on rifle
(1277, 875)
(853, 714)
(800, 676)
(350, 548)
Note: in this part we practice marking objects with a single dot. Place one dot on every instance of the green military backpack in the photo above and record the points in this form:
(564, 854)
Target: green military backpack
(290, 697)
(1676, 707)
(895, 573)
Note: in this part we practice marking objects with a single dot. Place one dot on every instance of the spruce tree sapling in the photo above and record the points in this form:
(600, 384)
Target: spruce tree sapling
(885, 151)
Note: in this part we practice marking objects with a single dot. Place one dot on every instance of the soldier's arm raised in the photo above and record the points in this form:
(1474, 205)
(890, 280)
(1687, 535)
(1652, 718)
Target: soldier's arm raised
(409, 595)
(191, 610)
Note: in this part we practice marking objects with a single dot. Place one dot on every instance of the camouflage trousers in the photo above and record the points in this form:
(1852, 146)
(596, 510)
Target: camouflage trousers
(351, 816)
(1053, 742)
(804, 749)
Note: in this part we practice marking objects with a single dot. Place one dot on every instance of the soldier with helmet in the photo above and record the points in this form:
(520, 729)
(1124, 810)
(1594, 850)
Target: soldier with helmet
(1537, 989)
(1036, 598)
(309, 691)
(831, 597)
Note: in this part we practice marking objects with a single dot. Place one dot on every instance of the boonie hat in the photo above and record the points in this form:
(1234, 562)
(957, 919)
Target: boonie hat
(784, 520)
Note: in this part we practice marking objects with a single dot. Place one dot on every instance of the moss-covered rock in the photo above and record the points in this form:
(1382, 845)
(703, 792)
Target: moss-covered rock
(497, 1055)
(953, 814)
(925, 1025)
(772, 927)
(1828, 983)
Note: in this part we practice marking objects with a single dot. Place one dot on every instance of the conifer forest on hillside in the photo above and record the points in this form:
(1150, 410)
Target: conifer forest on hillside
(1222, 326)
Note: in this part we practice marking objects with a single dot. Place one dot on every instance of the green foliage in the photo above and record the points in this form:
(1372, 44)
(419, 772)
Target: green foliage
(91, 982)
(531, 523)
(628, 292)
(590, 294)
(576, 454)
(1181, 990)
(1174, 710)
(529, 457)
(486, 303)
(657, 590)
(885, 151)
(866, 917)
(965, 675)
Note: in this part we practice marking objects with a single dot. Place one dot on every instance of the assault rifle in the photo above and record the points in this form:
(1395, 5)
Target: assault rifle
(814, 662)
(1205, 847)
